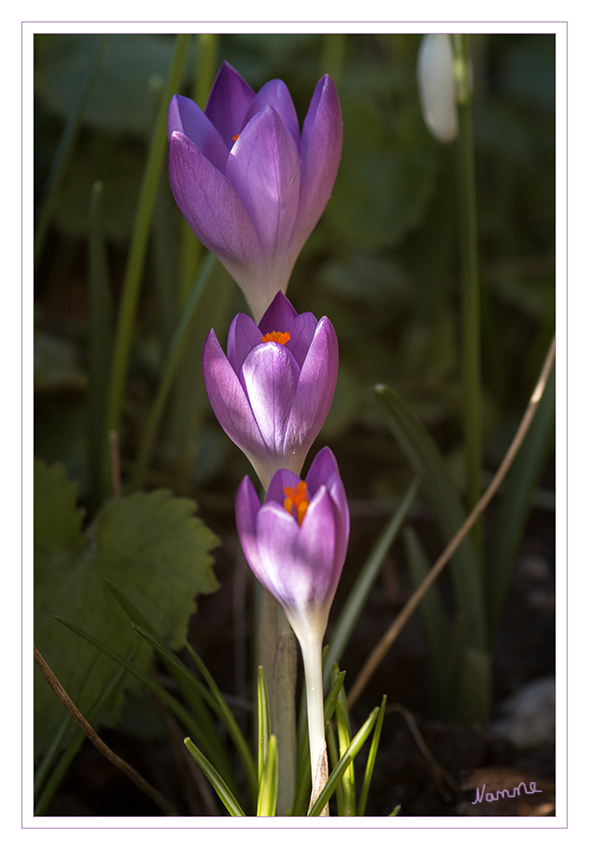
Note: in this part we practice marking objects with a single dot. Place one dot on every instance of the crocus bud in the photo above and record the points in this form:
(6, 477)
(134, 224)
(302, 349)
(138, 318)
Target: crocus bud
(249, 184)
(272, 392)
(296, 542)
(437, 94)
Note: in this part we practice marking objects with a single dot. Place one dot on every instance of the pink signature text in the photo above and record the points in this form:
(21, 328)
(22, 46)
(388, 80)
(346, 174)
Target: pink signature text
(492, 798)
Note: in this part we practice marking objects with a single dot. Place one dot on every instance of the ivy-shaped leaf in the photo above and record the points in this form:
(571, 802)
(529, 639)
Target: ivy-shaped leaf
(151, 546)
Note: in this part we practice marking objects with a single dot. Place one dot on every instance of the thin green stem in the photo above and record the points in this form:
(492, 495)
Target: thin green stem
(137, 251)
(471, 347)
(99, 343)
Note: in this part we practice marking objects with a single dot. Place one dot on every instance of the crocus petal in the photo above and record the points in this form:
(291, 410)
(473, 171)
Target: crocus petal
(270, 375)
(279, 315)
(228, 102)
(277, 534)
(315, 389)
(317, 549)
(324, 471)
(324, 465)
(247, 505)
(264, 169)
(229, 401)
(321, 148)
(243, 336)
(185, 117)
(211, 206)
(276, 94)
(281, 479)
(302, 330)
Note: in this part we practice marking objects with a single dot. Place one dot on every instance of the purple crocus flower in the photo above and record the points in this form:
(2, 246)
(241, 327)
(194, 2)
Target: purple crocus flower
(273, 390)
(249, 184)
(296, 542)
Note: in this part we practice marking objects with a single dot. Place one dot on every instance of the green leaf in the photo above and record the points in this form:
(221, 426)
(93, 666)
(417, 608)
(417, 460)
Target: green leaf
(268, 793)
(427, 462)
(215, 700)
(150, 546)
(342, 765)
(348, 786)
(371, 760)
(473, 693)
(364, 582)
(515, 502)
(433, 619)
(263, 723)
(218, 784)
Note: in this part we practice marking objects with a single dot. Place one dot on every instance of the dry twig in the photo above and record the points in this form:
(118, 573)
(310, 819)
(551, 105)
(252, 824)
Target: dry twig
(118, 762)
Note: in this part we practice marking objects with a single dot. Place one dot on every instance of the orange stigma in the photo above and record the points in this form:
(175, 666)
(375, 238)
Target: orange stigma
(276, 336)
(297, 499)
(235, 138)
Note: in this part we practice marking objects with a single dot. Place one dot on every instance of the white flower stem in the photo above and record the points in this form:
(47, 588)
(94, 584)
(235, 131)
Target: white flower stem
(311, 649)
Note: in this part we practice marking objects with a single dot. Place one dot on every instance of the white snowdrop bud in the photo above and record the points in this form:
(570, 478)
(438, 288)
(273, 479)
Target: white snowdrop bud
(435, 79)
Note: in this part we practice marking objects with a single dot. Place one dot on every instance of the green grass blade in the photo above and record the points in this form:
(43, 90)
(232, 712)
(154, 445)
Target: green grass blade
(228, 720)
(347, 783)
(166, 698)
(192, 690)
(138, 247)
(268, 793)
(433, 619)
(178, 347)
(334, 756)
(427, 462)
(472, 697)
(371, 760)
(99, 345)
(515, 501)
(216, 780)
(263, 723)
(363, 585)
(342, 765)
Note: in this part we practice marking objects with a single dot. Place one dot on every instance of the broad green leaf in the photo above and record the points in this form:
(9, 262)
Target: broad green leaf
(149, 545)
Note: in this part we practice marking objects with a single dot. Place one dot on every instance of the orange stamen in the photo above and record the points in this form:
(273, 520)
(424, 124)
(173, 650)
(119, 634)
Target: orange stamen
(276, 336)
(297, 499)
